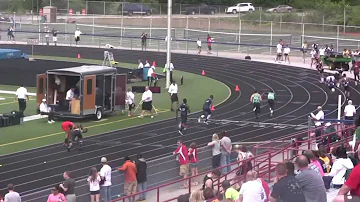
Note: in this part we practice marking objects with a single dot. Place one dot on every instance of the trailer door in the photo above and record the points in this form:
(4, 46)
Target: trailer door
(41, 88)
(89, 92)
(120, 91)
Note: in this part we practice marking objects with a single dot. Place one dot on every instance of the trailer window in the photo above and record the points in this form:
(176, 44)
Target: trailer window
(89, 87)
(41, 85)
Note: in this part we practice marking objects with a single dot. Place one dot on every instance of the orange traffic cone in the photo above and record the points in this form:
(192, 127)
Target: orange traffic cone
(154, 64)
(212, 108)
(203, 73)
(79, 56)
(237, 88)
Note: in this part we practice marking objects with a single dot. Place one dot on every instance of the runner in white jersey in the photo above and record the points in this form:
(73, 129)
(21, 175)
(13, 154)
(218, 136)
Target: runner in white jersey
(313, 54)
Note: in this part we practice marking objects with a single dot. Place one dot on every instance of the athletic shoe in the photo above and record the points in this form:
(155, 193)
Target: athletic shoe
(206, 122)
(50, 122)
(254, 109)
(140, 116)
(199, 120)
(181, 133)
(271, 111)
(152, 117)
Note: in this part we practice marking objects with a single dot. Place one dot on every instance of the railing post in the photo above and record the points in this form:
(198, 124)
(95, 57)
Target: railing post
(269, 166)
(158, 195)
(217, 50)
(131, 44)
(99, 42)
(187, 47)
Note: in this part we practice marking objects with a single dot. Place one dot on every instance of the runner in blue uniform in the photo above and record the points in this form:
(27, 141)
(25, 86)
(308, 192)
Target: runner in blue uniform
(184, 109)
(330, 80)
(256, 100)
(207, 110)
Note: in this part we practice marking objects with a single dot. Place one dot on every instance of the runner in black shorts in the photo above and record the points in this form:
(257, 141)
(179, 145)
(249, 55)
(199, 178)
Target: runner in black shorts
(320, 68)
(206, 110)
(184, 110)
(346, 84)
(76, 137)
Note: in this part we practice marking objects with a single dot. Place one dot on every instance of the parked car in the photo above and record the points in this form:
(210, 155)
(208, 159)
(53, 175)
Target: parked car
(4, 19)
(201, 9)
(280, 9)
(135, 8)
(240, 7)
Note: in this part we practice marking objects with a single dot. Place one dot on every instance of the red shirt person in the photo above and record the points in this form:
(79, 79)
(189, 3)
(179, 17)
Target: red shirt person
(183, 158)
(67, 126)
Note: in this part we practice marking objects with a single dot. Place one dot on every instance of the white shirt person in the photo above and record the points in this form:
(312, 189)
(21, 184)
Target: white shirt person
(147, 105)
(349, 111)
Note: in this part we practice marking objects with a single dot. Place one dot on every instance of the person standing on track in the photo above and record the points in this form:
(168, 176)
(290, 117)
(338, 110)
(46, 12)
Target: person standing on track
(356, 73)
(271, 100)
(206, 110)
(67, 126)
(209, 41)
(256, 100)
(184, 110)
(146, 102)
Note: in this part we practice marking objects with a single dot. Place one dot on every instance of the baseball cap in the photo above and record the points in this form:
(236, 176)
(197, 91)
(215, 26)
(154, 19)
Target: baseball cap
(103, 160)
(44, 100)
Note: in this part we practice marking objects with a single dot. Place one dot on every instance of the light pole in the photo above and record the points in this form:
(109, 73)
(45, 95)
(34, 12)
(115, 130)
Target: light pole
(168, 51)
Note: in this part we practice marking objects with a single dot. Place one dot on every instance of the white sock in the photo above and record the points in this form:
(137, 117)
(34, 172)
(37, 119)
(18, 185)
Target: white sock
(208, 117)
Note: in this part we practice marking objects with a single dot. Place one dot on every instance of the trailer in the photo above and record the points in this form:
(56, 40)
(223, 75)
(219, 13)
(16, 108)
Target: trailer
(97, 90)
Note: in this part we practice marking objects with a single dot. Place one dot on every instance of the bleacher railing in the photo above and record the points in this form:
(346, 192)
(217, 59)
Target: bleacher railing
(267, 155)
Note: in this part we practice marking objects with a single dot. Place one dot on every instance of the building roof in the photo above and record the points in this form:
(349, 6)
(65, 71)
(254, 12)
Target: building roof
(84, 70)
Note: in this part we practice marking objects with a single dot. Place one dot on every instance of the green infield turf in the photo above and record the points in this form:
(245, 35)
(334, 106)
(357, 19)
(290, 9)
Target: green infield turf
(39, 133)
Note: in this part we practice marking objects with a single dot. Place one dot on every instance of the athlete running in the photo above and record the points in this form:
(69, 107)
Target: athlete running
(320, 68)
(256, 100)
(271, 99)
(330, 80)
(346, 84)
(207, 110)
(184, 110)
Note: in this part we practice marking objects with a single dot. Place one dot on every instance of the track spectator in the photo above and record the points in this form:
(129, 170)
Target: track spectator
(243, 156)
(209, 195)
(130, 184)
(194, 160)
(287, 54)
(69, 187)
(147, 64)
(197, 196)
(94, 184)
(12, 196)
(225, 149)
(130, 100)
(310, 181)
(21, 96)
(171, 69)
(216, 155)
(56, 196)
(351, 185)
(252, 190)
(349, 112)
(286, 187)
(314, 162)
(340, 167)
(46, 110)
(143, 41)
(183, 157)
(141, 65)
(290, 168)
(141, 176)
(326, 159)
(105, 185)
(77, 36)
(209, 179)
(229, 192)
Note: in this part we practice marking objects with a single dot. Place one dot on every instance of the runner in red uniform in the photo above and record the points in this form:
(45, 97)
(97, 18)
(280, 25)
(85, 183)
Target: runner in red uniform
(67, 126)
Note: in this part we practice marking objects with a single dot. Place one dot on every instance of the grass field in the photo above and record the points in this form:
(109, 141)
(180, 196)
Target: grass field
(39, 133)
